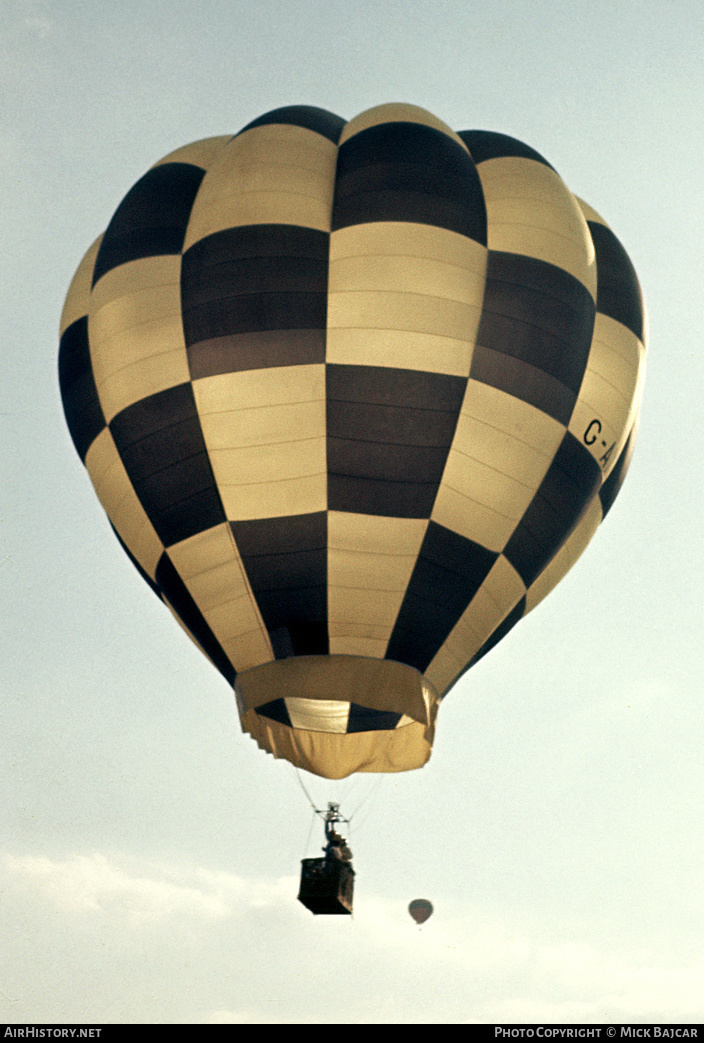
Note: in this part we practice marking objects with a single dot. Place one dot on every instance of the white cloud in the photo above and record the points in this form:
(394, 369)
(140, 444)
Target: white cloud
(93, 884)
(519, 978)
(216, 948)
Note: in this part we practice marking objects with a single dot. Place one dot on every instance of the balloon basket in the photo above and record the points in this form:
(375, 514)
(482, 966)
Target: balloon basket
(327, 886)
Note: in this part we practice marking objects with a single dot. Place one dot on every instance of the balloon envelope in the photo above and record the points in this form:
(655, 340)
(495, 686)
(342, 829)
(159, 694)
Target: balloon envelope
(354, 396)
(420, 909)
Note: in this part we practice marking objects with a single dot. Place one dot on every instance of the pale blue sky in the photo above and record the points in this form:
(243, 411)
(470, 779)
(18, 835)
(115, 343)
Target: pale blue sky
(148, 850)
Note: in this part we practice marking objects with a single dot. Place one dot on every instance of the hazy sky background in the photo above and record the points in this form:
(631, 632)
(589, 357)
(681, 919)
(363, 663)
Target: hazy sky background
(149, 851)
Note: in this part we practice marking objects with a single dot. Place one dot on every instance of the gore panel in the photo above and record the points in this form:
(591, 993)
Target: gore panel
(535, 333)
(160, 442)
(176, 593)
(618, 290)
(255, 297)
(308, 116)
(143, 573)
(612, 486)
(408, 172)
(82, 409)
(486, 144)
(286, 564)
(573, 478)
(501, 631)
(389, 433)
(449, 571)
(152, 218)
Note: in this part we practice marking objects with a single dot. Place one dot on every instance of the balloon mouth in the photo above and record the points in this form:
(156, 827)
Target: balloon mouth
(336, 715)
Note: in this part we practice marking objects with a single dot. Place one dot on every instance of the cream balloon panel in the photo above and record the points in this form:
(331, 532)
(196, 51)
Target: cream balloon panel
(117, 495)
(531, 212)
(608, 399)
(404, 295)
(610, 395)
(395, 112)
(266, 175)
(78, 296)
(212, 569)
(267, 453)
(105, 468)
(203, 153)
(500, 454)
(136, 332)
(370, 561)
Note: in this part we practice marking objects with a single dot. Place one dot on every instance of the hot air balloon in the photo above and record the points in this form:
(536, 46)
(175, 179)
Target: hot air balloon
(421, 910)
(355, 395)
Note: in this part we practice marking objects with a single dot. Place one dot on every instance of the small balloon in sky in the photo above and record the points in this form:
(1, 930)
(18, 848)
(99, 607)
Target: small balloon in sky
(420, 909)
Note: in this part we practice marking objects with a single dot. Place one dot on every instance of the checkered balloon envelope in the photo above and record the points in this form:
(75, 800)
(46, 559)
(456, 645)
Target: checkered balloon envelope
(355, 395)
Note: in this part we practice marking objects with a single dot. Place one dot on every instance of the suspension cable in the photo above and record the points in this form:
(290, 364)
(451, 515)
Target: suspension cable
(307, 794)
(370, 793)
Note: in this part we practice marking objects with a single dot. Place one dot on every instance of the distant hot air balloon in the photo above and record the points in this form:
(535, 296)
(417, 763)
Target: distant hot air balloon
(355, 396)
(420, 909)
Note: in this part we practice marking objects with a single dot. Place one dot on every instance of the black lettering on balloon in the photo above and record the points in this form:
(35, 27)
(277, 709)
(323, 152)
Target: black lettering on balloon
(605, 458)
(592, 432)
